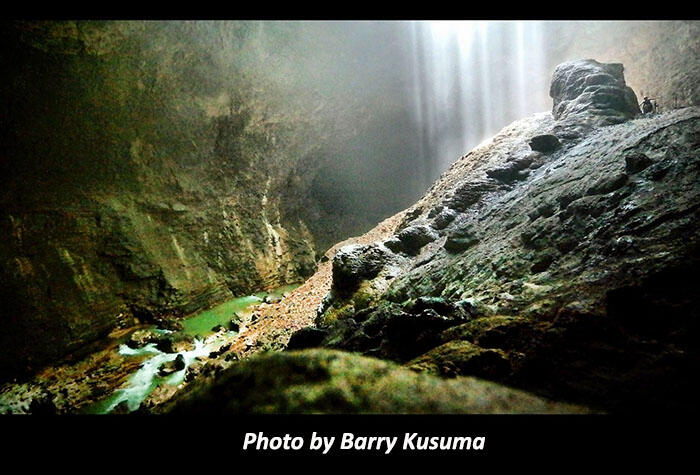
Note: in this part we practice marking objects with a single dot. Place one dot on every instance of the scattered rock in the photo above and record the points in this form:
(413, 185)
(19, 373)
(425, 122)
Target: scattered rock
(169, 367)
(220, 351)
(141, 338)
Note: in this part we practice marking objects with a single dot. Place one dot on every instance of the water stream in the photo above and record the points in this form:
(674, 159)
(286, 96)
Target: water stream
(200, 326)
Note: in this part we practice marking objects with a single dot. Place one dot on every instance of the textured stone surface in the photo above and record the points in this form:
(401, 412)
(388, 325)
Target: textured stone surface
(322, 381)
(580, 283)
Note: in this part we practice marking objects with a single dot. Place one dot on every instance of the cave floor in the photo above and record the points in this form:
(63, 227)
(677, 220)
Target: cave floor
(98, 382)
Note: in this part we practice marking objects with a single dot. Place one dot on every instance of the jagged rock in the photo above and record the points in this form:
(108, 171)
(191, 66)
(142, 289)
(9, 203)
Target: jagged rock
(612, 219)
(354, 263)
(608, 184)
(194, 370)
(546, 143)
(141, 338)
(444, 218)
(318, 381)
(412, 239)
(220, 351)
(308, 337)
(635, 163)
(587, 94)
(393, 332)
(234, 325)
(169, 367)
(507, 173)
(460, 239)
(469, 193)
(175, 343)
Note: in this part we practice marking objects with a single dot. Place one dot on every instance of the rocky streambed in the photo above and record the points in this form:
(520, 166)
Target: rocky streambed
(140, 367)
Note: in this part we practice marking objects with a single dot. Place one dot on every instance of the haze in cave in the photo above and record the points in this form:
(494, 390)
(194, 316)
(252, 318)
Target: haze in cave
(358, 216)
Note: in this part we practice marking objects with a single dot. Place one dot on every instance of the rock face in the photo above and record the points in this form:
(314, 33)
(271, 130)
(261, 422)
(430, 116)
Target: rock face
(575, 281)
(318, 381)
(148, 175)
(587, 94)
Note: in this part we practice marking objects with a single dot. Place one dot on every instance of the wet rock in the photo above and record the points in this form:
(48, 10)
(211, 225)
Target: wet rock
(413, 238)
(543, 263)
(194, 370)
(355, 263)
(469, 193)
(175, 343)
(220, 351)
(308, 337)
(169, 367)
(608, 184)
(460, 239)
(141, 338)
(507, 174)
(637, 162)
(121, 408)
(444, 218)
(234, 325)
(439, 304)
(587, 93)
(546, 143)
(393, 332)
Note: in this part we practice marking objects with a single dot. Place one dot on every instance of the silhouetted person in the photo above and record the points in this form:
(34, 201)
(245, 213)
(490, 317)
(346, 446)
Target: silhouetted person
(648, 106)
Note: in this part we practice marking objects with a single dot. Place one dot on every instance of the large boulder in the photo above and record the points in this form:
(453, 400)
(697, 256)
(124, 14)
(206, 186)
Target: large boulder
(318, 381)
(355, 263)
(170, 367)
(587, 94)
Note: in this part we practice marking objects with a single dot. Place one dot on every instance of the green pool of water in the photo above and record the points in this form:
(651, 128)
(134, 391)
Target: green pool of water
(202, 323)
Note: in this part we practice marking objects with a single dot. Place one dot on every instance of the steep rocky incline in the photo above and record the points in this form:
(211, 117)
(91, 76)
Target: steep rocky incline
(559, 257)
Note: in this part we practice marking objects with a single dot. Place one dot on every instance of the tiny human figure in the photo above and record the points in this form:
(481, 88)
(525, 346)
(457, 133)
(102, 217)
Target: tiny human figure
(648, 106)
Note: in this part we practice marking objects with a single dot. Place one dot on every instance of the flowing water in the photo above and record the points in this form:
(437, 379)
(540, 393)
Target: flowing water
(147, 378)
(472, 78)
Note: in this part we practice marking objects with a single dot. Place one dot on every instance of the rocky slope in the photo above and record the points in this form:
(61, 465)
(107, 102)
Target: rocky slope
(558, 257)
(151, 169)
